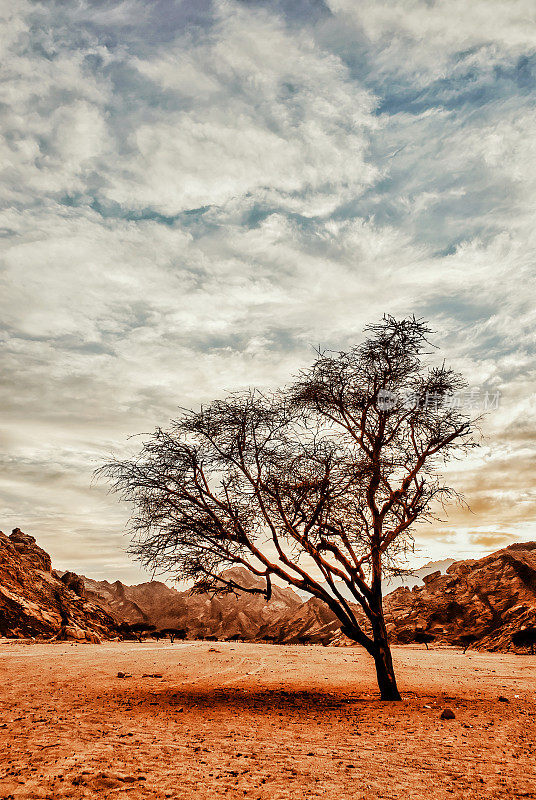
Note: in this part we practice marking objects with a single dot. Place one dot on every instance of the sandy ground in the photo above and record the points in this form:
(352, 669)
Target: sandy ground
(262, 721)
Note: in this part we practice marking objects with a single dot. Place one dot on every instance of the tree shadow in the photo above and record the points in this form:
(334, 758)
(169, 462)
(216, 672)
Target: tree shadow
(238, 700)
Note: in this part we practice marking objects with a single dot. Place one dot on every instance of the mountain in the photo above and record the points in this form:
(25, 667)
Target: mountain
(311, 622)
(144, 602)
(487, 599)
(37, 601)
(415, 577)
(237, 614)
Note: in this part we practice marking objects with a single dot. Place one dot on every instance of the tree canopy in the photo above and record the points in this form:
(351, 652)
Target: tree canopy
(317, 485)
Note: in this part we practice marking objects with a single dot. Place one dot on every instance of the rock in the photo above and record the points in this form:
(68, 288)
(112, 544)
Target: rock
(431, 577)
(503, 699)
(34, 601)
(25, 545)
(233, 616)
(74, 632)
(74, 582)
(448, 713)
(481, 602)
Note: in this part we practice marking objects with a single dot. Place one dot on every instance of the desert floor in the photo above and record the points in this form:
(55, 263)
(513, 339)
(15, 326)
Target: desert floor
(221, 720)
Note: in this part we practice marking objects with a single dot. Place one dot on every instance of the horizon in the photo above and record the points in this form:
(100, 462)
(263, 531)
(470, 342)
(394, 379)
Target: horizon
(198, 194)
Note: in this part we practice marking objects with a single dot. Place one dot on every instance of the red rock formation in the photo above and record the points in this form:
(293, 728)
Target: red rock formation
(34, 601)
(482, 601)
(27, 548)
(488, 599)
(240, 615)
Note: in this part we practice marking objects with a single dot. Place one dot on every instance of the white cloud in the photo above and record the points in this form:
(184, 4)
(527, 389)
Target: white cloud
(324, 206)
(264, 112)
(423, 36)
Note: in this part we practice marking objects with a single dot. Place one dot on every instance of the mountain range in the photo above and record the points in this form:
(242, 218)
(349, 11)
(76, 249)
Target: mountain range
(483, 601)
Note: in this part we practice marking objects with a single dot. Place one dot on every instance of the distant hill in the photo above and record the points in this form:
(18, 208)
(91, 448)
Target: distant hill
(416, 577)
(487, 599)
(410, 578)
(237, 614)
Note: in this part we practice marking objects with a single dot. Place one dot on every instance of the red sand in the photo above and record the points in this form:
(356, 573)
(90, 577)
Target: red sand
(263, 722)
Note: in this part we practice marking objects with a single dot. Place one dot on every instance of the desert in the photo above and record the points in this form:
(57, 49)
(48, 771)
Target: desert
(86, 712)
(268, 400)
(222, 720)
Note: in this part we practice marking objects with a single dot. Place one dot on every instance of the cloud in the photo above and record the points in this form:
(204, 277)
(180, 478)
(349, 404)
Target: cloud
(197, 193)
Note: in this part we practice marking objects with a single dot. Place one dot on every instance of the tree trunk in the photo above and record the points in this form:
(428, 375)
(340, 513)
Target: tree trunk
(385, 672)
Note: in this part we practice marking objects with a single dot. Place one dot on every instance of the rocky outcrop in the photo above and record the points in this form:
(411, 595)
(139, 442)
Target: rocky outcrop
(74, 582)
(311, 623)
(482, 602)
(485, 600)
(34, 601)
(34, 556)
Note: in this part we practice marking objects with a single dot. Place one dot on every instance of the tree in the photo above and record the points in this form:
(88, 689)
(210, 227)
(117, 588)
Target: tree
(136, 629)
(317, 485)
(421, 637)
(174, 633)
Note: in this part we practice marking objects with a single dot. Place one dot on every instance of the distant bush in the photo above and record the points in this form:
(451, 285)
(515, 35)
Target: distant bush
(174, 633)
(421, 637)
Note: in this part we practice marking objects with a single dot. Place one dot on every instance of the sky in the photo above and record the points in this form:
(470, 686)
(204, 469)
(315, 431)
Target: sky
(197, 194)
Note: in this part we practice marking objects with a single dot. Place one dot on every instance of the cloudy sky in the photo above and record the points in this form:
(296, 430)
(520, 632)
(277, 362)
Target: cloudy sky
(197, 193)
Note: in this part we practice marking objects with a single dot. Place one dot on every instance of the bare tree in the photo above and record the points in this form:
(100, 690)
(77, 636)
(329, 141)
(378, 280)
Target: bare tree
(317, 486)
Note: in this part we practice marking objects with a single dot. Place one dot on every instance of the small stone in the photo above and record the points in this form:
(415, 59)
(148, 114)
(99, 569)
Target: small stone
(503, 699)
(448, 713)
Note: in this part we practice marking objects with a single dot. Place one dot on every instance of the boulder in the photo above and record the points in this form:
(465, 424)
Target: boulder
(74, 582)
